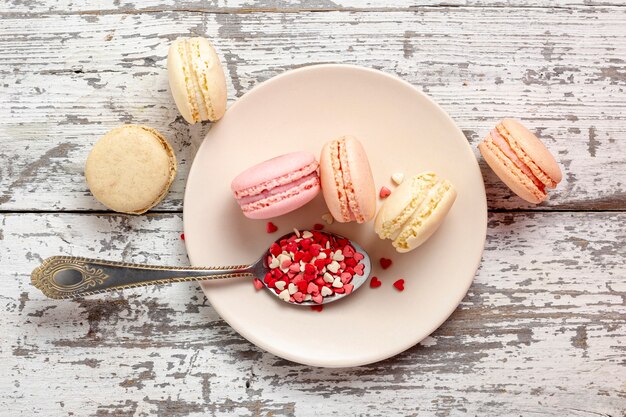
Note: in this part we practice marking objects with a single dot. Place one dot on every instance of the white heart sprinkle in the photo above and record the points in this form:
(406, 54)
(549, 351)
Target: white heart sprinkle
(307, 235)
(338, 256)
(274, 263)
(397, 178)
(297, 232)
(322, 255)
(326, 291)
(292, 288)
(280, 285)
(333, 267)
(328, 278)
(308, 297)
(337, 283)
(284, 295)
(327, 245)
(328, 218)
(282, 258)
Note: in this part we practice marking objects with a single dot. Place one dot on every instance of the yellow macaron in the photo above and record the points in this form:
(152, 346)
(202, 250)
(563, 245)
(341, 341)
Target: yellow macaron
(414, 211)
(196, 79)
(130, 169)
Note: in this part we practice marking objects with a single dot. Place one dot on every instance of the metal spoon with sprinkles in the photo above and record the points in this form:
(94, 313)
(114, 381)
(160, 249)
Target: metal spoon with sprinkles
(301, 268)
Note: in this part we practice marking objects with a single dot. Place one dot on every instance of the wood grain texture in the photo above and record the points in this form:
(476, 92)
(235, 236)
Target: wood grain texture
(68, 78)
(541, 332)
(29, 7)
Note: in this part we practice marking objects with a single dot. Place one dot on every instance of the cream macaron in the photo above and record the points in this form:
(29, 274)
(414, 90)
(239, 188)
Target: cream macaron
(414, 211)
(130, 169)
(196, 79)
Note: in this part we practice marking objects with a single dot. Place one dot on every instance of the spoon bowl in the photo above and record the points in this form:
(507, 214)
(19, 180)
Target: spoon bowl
(62, 277)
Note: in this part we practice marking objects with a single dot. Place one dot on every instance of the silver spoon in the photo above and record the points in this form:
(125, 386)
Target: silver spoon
(70, 277)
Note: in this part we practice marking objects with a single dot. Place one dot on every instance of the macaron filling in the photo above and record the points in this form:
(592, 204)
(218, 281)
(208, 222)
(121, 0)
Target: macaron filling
(268, 200)
(278, 189)
(189, 50)
(428, 205)
(348, 204)
(504, 146)
(282, 182)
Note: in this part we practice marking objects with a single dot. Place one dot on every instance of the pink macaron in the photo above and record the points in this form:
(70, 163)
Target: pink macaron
(277, 186)
(347, 181)
(521, 160)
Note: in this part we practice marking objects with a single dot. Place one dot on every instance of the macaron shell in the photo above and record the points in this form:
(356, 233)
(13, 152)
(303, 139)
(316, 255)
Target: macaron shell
(286, 205)
(362, 179)
(271, 169)
(534, 148)
(509, 173)
(430, 225)
(130, 169)
(178, 86)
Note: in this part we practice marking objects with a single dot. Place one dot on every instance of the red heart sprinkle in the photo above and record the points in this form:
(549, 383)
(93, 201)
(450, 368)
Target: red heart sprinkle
(270, 227)
(375, 282)
(182, 236)
(384, 192)
(318, 226)
(385, 263)
(317, 308)
(399, 284)
(257, 284)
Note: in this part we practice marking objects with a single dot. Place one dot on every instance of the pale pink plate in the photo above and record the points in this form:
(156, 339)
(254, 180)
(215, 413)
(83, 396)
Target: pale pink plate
(403, 131)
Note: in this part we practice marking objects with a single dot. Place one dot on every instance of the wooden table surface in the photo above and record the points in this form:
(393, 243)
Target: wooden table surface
(542, 330)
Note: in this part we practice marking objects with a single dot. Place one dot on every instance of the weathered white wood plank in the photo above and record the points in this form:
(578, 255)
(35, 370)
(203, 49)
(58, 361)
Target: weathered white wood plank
(246, 6)
(68, 79)
(541, 332)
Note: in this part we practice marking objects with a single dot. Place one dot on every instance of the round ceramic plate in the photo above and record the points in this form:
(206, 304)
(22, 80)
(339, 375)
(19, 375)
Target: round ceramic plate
(403, 131)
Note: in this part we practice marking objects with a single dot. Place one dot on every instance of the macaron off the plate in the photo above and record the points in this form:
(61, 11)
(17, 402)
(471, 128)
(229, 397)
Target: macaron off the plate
(196, 79)
(277, 186)
(520, 160)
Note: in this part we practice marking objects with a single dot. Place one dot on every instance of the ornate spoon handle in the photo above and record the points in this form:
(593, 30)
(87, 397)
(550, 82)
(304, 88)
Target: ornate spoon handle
(68, 277)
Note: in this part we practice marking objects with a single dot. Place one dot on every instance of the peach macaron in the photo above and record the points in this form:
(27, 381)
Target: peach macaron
(347, 180)
(521, 160)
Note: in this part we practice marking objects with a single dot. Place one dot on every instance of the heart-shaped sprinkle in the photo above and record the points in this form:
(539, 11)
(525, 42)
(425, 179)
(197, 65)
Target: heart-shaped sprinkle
(307, 297)
(182, 236)
(275, 263)
(359, 269)
(348, 288)
(326, 291)
(294, 267)
(384, 192)
(318, 298)
(338, 256)
(317, 308)
(298, 296)
(280, 285)
(307, 235)
(292, 288)
(270, 227)
(257, 284)
(333, 267)
(345, 277)
(385, 263)
(359, 256)
(337, 283)
(328, 278)
(286, 264)
(348, 252)
(284, 295)
(397, 178)
(328, 218)
(312, 288)
(399, 284)
(318, 226)
(375, 283)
